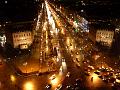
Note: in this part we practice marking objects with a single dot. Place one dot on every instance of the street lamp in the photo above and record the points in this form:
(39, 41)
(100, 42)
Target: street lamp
(102, 62)
(28, 86)
(96, 59)
(25, 64)
(12, 78)
(40, 65)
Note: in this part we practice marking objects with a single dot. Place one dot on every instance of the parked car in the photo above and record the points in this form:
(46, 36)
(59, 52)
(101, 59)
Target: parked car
(68, 74)
(59, 87)
(52, 77)
(48, 86)
(69, 87)
(87, 73)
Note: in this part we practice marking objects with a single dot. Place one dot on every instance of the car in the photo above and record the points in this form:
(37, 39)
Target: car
(52, 77)
(105, 80)
(87, 73)
(85, 61)
(48, 86)
(111, 74)
(111, 80)
(77, 60)
(78, 84)
(86, 69)
(77, 64)
(91, 67)
(117, 85)
(59, 87)
(100, 76)
(68, 74)
(77, 53)
(103, 69)
(97, 72)
(69, 87)
(77, 88)
(78, 80)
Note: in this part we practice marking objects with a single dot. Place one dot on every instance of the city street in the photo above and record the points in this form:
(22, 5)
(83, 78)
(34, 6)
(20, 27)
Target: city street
(60, 54)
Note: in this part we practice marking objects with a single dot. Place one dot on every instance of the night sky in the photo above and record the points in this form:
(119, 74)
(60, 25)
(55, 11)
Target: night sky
(27, 9)
(17, 9)
(102, 9)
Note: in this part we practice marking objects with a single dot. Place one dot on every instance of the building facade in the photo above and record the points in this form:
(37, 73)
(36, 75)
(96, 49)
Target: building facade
(22, 39)
(105, 37)
(2, 40)
(116, 44)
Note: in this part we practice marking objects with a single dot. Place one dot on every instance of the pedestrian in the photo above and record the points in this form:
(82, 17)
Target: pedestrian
(91, 78)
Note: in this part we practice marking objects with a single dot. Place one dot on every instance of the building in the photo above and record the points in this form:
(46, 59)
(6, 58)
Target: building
(2, 36)
(2, 40)
(19, 35)
(22, 39)
(105, 37)
(116, 43)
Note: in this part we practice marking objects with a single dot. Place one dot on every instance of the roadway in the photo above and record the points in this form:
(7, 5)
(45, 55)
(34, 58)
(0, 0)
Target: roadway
(55, 48)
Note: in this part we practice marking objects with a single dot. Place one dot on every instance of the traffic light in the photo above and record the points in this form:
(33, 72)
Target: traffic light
(76, 30)
(76, 20)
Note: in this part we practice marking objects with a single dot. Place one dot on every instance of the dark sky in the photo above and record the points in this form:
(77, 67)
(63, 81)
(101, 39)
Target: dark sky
(17, 9)
(27, 9)
(95, 8)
